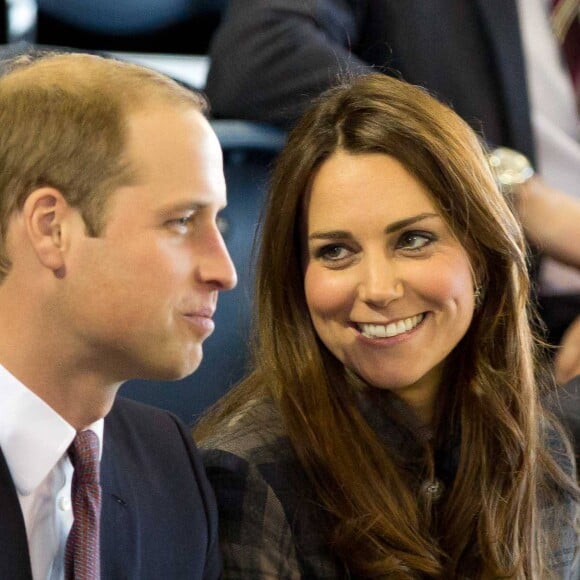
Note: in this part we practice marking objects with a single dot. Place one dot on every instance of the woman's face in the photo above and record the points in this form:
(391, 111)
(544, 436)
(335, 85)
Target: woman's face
(389, 288)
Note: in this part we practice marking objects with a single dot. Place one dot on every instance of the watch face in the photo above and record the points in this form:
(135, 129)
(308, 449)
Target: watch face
(510, 167)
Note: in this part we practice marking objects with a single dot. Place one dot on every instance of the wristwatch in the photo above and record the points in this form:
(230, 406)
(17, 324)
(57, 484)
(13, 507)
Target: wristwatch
(511, 168)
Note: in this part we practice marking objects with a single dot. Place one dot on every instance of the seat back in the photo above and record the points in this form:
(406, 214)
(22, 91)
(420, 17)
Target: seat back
(167, 26)
(18, 20)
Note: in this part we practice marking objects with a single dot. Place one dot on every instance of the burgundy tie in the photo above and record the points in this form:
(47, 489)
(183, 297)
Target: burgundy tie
(566, 25)
(82, 547)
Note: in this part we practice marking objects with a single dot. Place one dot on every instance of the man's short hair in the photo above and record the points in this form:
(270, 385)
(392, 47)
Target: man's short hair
(63, 120)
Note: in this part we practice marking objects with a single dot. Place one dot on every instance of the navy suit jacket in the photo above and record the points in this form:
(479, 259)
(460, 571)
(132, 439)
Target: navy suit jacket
(158, 518)
(269, 59)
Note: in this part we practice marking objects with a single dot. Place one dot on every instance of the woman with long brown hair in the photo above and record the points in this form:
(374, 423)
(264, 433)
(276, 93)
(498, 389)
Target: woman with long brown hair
(394, 424)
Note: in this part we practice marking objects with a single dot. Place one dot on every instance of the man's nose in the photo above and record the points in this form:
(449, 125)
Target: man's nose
(218, 268)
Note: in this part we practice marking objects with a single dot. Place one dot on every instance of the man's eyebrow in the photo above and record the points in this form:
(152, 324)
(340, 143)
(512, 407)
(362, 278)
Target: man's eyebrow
(400, 224)
(182, 206)
(187, 205)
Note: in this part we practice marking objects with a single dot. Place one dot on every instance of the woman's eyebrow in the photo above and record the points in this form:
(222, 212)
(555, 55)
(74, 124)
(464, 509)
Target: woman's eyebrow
(331, 235)
(400, 224)
(395, 226)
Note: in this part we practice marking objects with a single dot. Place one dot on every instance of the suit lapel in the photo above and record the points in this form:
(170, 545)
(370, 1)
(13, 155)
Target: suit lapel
(14, 556)
(120, 547)
(501, 23)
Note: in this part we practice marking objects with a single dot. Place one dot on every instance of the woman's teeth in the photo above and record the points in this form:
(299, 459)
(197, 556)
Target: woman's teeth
(392, 329)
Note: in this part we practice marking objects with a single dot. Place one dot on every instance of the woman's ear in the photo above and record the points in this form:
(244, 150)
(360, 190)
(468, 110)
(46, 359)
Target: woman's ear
(44, 214)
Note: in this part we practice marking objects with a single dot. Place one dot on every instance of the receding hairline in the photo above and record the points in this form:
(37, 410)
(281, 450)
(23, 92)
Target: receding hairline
(132, 86)
(71, 113)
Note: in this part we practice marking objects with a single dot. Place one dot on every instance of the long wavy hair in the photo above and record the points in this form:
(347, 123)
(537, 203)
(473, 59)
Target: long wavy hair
(491, 521)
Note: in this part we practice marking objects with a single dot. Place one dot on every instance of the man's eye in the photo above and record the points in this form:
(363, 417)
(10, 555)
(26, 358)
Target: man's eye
(333, 252)
(182, 223)
(415, 240)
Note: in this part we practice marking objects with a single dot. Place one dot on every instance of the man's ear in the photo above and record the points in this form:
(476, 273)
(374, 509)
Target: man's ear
(44, 213)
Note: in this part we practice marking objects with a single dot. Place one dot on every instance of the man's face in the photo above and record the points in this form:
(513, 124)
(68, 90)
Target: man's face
(139, 299)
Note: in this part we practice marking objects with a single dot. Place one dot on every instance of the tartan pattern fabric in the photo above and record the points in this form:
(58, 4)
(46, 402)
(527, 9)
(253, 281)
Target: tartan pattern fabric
(565, 19)
(82, 556)
(271, 525)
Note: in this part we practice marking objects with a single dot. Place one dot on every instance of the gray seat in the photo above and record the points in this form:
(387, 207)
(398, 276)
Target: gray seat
(158, 26)
(124, 17)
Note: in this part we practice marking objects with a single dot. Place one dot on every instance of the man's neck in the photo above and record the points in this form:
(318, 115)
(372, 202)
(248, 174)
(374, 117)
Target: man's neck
(77, 398)
(37, 349)
(81, 396)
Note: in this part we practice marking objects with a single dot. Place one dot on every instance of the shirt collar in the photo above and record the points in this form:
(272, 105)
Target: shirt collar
(33, 436)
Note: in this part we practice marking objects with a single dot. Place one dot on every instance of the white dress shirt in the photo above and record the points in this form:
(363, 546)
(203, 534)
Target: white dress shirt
(34, 440)
(555, 122)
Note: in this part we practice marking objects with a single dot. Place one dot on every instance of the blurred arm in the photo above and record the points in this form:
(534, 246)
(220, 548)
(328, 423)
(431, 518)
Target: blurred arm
(269, 58)
(567, 361)
(551, 220)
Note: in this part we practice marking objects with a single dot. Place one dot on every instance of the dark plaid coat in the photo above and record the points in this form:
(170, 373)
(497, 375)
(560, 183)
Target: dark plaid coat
(270, 524)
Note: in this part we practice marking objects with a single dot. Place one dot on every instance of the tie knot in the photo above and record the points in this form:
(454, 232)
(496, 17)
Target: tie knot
(84, 455)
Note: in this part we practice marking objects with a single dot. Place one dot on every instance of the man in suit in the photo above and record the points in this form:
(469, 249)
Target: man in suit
(269, 59)
(111, 262)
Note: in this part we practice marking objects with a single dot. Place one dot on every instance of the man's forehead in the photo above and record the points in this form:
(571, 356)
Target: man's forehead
(164, 129)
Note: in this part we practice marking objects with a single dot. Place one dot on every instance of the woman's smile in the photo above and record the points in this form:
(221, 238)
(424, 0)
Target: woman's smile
(391, 329)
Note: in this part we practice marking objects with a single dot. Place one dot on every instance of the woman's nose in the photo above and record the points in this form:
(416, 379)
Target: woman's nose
(380, 282)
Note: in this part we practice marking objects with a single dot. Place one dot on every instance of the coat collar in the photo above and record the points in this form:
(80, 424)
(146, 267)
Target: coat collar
(14, 556)
(120, 547)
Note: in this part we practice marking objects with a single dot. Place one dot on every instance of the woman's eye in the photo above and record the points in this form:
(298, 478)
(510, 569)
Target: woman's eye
(414, 240)
(332, 252)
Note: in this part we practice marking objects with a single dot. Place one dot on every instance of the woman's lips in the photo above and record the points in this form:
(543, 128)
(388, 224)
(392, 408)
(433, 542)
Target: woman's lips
(391, 333)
